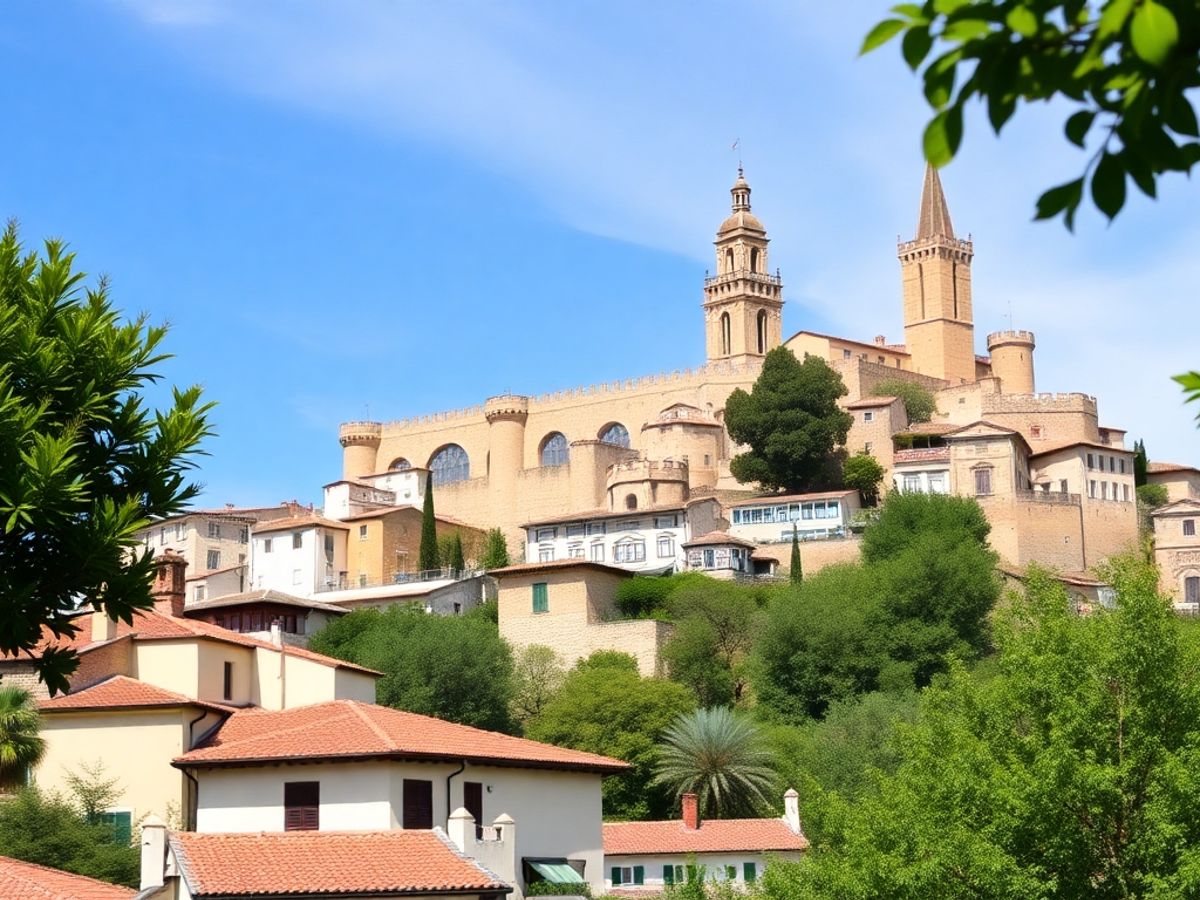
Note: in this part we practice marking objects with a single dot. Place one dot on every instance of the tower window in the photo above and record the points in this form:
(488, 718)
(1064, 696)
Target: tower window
(954, 285)
(726, 334)
(631, 501)
(753, 259)
(762, 331)
(729, 260)
(921, 282)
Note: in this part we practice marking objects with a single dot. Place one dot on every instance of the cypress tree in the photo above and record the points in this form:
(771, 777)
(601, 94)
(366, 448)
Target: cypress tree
(796, 575)
(427, 557)
(495, 555)
(1140, 462)
(457, 562)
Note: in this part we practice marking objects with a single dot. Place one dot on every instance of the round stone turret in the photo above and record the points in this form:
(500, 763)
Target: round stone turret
(360, 445)
(1012, 360)
(506, 406)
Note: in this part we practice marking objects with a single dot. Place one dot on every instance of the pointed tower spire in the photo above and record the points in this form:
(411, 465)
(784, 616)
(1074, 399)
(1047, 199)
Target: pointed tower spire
(935, 214)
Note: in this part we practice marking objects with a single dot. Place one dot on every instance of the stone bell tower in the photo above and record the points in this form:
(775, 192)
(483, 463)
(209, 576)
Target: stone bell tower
(936, 270)
(743, 304)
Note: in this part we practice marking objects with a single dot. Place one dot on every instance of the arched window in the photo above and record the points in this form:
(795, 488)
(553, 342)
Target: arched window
(631, 501)
(400, 464)
(729, 260)
(954, 285)
(616, 434)
(726, 334)
(554, 450)
(753, 259)
(762, 331)
(450, 464)
(921, 281)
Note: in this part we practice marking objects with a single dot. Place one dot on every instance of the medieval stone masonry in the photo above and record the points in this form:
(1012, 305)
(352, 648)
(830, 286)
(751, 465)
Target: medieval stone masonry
(1056, 485)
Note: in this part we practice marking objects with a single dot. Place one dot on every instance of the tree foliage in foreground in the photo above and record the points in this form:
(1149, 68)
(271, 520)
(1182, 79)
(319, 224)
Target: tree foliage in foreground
(606, 707)
(863, 473)
(451, 667)
(719, 756)
(50, 830)
(84, 462)
(924, 590)
(1123, 68)
(21, 743)
(919, 402)
(1075, 772)
(791, 422)
(495, 550)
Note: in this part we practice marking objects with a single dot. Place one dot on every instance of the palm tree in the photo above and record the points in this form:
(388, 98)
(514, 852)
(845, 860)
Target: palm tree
(718, 756)
(21, 747)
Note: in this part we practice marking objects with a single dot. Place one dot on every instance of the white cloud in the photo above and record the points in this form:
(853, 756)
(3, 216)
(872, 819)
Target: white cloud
(618, 119)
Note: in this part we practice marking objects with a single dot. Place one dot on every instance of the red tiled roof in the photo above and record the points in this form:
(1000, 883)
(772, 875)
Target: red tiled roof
(871, 402)
(895, 349)
(554, 565)
(716, 537)
(122, 692)
(785, 498)
(713, 836)
(588, 514)
(350, 729)
(26, 881)
(339, 863)
(259, 595)
(1160, 468)
(1067, 445)
(297, 523)
(152, 625)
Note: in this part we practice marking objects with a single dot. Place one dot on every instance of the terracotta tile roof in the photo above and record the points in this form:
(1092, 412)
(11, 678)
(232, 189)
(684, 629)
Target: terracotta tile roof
(929, 428)
(298, 523)
(350, 729)
(590, 514)
(894, 349)
(716, 537)
(713, 836)
(555, 565)
(786, 498)
(265, 595)
(26, 881)
(151, 625)
(1160, 468)
(871, 402)
(338, 863)
(122, 692)
(1067, 445)
(204, 575)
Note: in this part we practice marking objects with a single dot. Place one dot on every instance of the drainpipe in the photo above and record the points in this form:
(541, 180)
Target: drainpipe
(461, 768)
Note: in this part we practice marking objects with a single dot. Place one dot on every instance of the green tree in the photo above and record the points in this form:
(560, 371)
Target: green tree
(1122, 67)
(428, 556)
(84, 463)
(51, 830)
(1072, 773)
(863, 473)
(1141, 463)
(606, 707)
(457, 562)
(538, 675)
(495, 551)
(452, 667)
(791, 422)
(1152, 496)
(919, 402)
(906, 517)
(720, 757)
(716, 623)
(21, 743)
(646, 596)
(796, 570)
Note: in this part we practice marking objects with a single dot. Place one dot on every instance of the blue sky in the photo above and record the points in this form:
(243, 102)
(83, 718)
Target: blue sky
(389, 208)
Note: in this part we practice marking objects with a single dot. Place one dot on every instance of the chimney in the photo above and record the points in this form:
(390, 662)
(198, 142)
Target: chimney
(277, 632)
(791, 811)
(154, 852)
(461, 824)
(691, 812)
(169, 584)
(880, 340)
(104, 627)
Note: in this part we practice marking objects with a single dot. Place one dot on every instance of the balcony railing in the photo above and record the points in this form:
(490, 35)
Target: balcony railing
(746, 274)
(1053, 497)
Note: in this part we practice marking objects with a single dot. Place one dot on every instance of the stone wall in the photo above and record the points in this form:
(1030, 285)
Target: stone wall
(814, 555)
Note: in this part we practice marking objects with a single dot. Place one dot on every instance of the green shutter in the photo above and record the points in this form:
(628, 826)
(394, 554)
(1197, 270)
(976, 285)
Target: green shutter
(541, 601)
(749, 872)
(616, 872)
(639, 875)
(668, 874)
(730, 873)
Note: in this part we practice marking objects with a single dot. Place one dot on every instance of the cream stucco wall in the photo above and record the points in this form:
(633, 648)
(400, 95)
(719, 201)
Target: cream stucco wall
(171, 665)
(714, 866)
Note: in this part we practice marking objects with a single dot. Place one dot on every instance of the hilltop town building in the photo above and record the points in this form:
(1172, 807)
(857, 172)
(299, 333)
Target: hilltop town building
(518, 461)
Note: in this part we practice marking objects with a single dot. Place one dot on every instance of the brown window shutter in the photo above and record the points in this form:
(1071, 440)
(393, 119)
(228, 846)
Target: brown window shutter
(418, 803)
(301, 806)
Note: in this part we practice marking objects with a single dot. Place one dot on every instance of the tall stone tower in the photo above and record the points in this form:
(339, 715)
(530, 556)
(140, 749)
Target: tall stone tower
(936, 270)
(743, 305)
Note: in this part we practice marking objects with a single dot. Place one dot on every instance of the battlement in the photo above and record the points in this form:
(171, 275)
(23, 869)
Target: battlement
(1009, 337)
(506, 406)
(360, 433)
(956, 248)
(651, 468)
(1068, 402)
